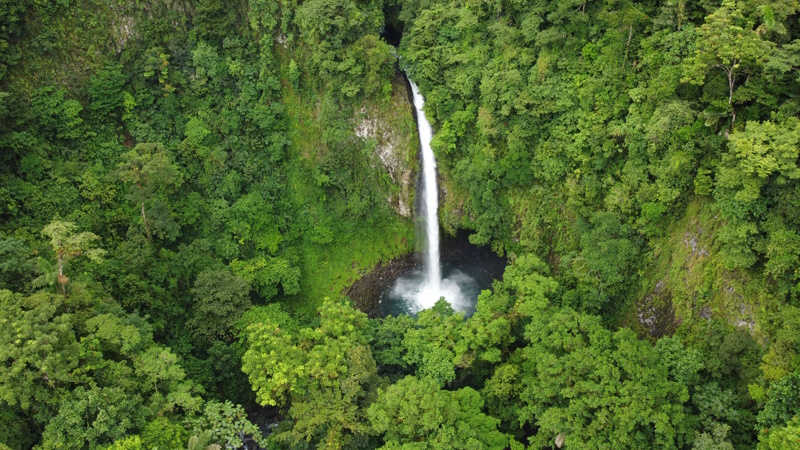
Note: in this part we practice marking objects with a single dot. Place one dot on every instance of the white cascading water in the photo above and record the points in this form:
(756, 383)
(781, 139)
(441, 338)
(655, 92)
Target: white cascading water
(421, 290)
(430, 199)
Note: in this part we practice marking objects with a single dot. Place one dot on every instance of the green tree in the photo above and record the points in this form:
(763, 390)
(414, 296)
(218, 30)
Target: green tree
(762, 153)
(106, 92)
(783, 402)
(430, 347)
(607, 264)
(294, 74)
(345, 47)
(16, 264)
(147, 168)
(337, 23)
(491, 334)
(268, 274)
(163, 433)
(39, 350)
(416, 413)
(761, 159)
(327, 373)
(213, 19)
(716, 440)
(727, 41)
(58, 118)
(93, 418)
(16, 432)
(781, 437)
(224, 425)
(129, 443)
(202, 441)
(720, 409)
(595, 388)
(386, 342)
(253, 221)
(68, 244)
(85, 371)
(220, 299)
(783, 356)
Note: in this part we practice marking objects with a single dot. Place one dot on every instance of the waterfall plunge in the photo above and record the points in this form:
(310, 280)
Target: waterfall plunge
(419, 290)
(430, 292)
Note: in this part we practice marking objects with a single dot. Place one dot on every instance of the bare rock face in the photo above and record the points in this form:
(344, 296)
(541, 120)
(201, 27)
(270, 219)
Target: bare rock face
(395, 144)
(389, 153)
(656, 312)
(122, 30)
(560, 440)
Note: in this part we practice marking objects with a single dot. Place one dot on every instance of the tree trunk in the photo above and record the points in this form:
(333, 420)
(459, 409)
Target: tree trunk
(628, 46)
(731, 80)
(146, 227)
(62, 280)
(729, 71)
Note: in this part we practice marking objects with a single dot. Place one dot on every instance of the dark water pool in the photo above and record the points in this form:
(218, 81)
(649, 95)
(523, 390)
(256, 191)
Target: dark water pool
(466, 271)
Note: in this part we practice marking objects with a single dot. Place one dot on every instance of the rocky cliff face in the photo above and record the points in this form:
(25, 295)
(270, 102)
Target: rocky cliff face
(390, 126)
(689, 283)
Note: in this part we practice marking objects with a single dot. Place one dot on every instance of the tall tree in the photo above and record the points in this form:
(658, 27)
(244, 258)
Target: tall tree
(149, 171)
(414, 413)
(220, 299)
(68, 244)
(590, 388)
(727, 41)
(327, 373)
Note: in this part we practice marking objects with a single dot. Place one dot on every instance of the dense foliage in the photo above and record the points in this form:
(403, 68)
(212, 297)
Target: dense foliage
(187, 186)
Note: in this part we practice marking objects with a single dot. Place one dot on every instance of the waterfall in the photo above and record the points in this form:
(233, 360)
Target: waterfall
(421, 289)
(430, 198)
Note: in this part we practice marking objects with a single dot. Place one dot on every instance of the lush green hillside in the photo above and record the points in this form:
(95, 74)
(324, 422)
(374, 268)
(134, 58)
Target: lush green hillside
(186, 187)
(648, 152)
(210, 171)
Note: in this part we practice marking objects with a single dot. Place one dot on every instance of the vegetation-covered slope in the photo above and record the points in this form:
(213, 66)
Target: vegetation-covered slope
(183, 183)
(182, 142)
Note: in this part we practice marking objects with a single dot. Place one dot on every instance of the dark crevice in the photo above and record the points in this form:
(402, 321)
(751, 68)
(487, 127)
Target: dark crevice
(392, 31)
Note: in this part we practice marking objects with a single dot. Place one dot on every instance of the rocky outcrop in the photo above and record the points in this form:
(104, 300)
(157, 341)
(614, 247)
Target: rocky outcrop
(366, 291)
(656, 313)
(390, 126)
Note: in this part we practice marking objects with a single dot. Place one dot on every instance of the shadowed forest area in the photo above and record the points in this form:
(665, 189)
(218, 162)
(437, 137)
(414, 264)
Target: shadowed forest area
(188, 187)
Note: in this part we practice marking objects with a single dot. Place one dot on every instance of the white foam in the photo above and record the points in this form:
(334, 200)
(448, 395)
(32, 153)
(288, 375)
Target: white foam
(418, 294)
